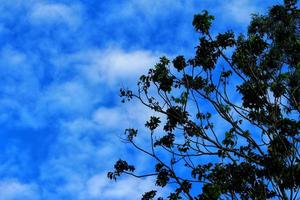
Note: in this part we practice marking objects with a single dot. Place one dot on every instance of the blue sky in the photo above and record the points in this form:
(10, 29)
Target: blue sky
(61, 66)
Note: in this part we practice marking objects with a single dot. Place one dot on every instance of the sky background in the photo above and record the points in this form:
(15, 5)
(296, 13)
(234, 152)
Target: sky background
(62, 64)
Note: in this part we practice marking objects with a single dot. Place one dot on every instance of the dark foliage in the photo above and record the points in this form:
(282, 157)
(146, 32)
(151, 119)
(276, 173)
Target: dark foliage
(234, 139)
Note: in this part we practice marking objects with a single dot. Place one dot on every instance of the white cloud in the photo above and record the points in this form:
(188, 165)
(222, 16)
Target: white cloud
(111, 66)
(153, 8)
(14, 190)
(19, 82)
(240, 10)
(118, 64)
(67, 97)
(108, 117)
(99, 186)
(42, 13)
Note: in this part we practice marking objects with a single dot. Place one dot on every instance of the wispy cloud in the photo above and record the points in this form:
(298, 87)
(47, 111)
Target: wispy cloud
(13, 190)
(240, 10)
(99, 187)
(43, 13)
(113, 66)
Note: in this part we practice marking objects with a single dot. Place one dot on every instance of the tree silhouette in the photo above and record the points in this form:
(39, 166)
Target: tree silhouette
(231, 126)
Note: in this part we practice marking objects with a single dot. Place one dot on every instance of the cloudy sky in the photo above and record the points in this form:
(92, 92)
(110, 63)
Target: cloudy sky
(62, 63)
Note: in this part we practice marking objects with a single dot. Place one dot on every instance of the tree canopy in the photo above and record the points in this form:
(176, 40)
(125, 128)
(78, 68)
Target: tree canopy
(228, 118)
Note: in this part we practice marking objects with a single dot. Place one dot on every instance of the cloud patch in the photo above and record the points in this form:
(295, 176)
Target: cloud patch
(240, 10)
(14, 190)
(128, 188)
(112, 66)
(42, 13)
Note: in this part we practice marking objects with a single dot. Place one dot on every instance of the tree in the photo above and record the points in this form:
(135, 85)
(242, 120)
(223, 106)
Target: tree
(253, 92)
